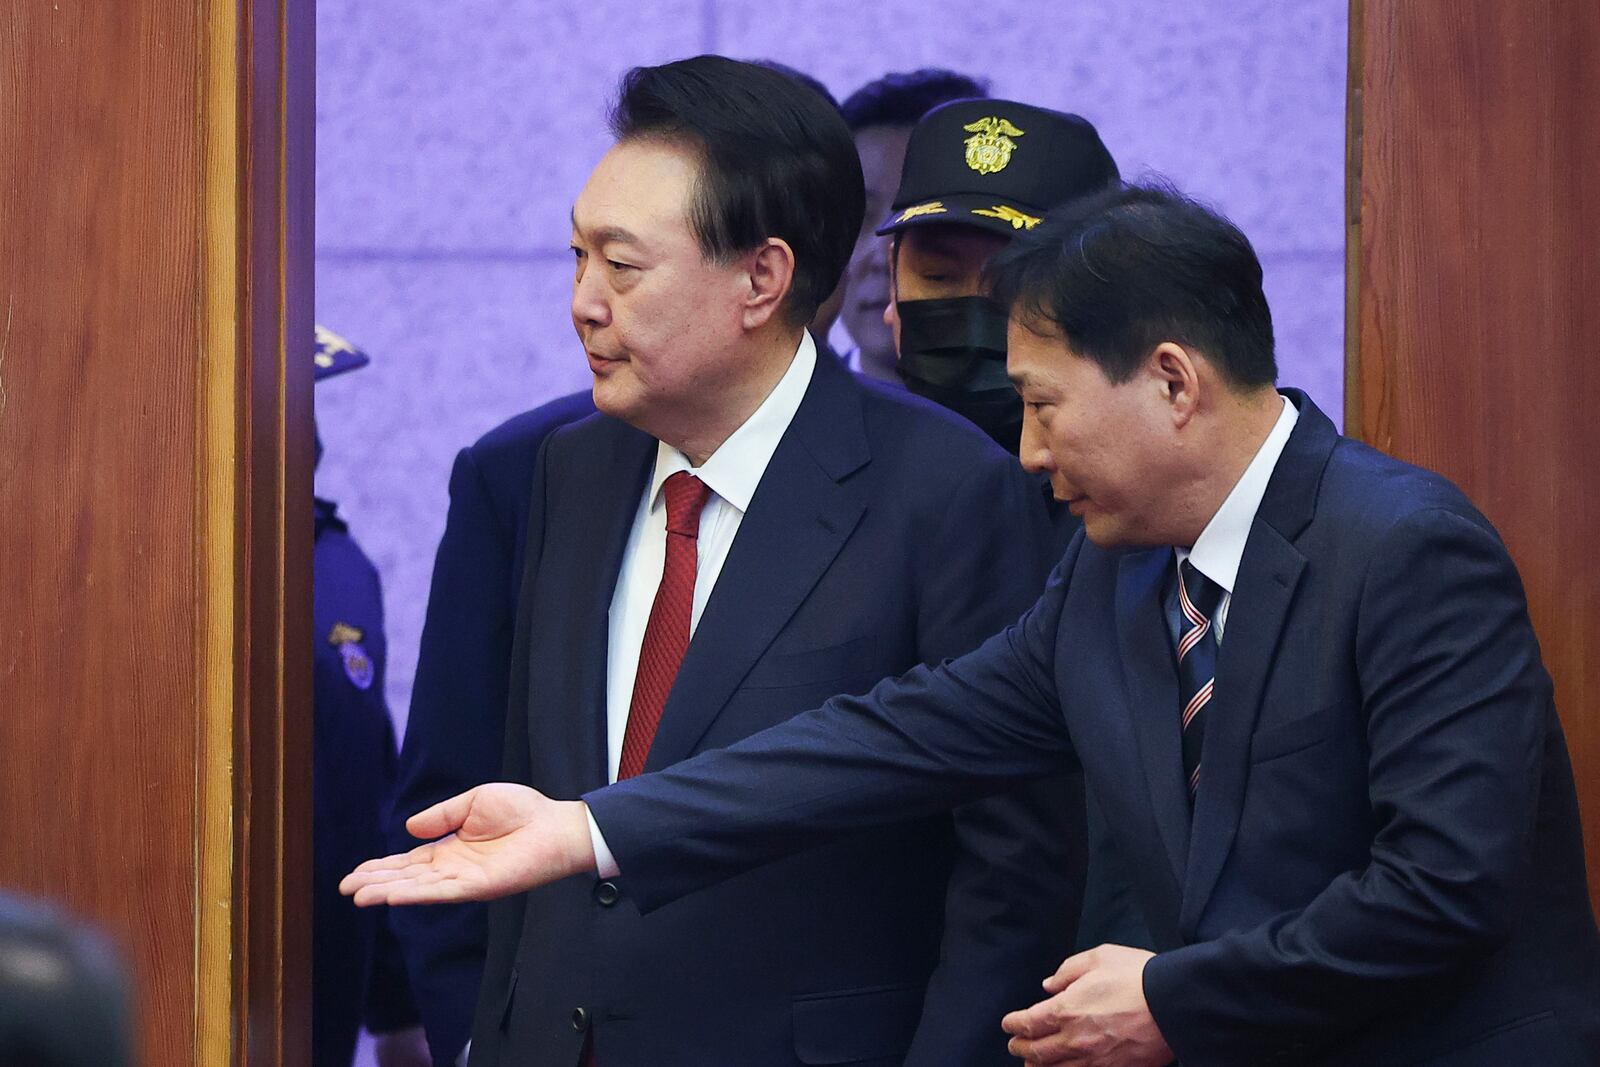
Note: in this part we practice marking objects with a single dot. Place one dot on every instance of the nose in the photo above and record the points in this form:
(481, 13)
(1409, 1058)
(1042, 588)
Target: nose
(1034, 451)
(589, 306)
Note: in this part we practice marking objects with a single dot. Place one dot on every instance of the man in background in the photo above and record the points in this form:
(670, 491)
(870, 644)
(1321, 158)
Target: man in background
(357, 976)
(977, 174)
(880, 115)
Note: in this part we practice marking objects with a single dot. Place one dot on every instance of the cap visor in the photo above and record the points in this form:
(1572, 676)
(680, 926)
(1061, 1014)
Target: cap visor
(998, 215)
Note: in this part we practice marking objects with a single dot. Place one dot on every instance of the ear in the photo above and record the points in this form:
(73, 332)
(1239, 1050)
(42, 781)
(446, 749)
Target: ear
(1173, 370)
(771, 275)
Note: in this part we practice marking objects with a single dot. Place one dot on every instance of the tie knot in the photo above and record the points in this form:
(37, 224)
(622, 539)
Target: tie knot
(686, 496)
(1198, 591)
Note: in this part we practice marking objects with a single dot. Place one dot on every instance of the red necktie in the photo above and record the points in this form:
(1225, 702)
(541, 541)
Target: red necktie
(666, 636)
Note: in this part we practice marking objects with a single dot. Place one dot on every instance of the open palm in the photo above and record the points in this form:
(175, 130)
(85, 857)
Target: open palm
(501, 839)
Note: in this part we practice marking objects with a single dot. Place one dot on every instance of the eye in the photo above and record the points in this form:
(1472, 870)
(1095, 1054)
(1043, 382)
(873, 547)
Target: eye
(620, 266)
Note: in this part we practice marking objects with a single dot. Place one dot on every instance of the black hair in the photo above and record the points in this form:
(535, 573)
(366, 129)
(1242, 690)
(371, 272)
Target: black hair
(64, 995)
(776, 160)
(1122, 271)
(902, 98)
(800, 76)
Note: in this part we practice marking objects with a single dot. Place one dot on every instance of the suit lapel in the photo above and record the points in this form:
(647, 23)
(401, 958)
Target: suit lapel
(1256, 617)
(601, 503)
(1152, 682)
(1269, 573)
(799, 518)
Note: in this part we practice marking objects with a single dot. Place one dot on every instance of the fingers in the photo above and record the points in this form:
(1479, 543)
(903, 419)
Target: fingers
(384, 868)
(1071, 969)
(421, 886)
(443, 818)
(1029, 1022)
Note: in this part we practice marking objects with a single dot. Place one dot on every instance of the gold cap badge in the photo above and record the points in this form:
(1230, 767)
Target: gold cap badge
(990, 146)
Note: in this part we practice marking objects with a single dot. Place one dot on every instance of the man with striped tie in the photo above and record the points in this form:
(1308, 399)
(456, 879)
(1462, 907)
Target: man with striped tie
(1299, 676)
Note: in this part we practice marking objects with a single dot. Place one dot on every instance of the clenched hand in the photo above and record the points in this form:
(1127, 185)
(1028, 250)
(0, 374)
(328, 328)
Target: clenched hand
(1096, 1017)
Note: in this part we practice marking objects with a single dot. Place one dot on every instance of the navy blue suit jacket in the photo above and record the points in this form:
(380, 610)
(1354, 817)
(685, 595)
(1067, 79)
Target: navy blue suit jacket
(1385, 863)
(885, 533)
(456, 730)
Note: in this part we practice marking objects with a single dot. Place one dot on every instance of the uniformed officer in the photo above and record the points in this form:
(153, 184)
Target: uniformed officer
(357, 975)
(881, 115)
(978, 172)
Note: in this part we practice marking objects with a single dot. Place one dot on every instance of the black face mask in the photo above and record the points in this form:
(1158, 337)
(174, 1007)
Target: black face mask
(953, 352)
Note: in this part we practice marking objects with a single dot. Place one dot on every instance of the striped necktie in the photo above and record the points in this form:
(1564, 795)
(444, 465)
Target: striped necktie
(1191, 611)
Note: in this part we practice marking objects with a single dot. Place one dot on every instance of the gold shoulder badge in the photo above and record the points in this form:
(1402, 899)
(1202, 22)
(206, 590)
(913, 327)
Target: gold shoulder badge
(932, 207)
(1018, 220)
(990, 146)
(344, 634)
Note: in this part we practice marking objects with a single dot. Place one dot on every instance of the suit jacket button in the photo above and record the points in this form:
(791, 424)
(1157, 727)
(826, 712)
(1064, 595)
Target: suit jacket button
(606, 894)
(580, 1020)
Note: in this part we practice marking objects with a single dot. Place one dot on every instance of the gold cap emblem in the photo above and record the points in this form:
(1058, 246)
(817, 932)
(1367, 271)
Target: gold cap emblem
(990, 146)
(932, 207)
(1006, 213)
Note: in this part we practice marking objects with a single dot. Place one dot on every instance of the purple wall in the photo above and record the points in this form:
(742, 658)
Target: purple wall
(453, 137)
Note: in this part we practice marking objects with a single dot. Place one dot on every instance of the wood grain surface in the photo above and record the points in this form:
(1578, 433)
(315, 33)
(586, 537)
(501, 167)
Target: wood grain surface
(1476, 163)
(155, 524)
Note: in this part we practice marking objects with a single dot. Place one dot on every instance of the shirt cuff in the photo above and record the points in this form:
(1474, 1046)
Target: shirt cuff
(605, 863)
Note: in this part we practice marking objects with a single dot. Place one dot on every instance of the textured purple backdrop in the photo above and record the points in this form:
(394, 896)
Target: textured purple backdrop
(452, 139)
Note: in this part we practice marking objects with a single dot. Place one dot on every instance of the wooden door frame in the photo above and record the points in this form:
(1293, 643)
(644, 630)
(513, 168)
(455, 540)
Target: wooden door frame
(254, 515)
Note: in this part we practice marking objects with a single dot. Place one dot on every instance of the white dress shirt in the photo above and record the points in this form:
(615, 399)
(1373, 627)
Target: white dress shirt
(732, 473)
(1220, 546)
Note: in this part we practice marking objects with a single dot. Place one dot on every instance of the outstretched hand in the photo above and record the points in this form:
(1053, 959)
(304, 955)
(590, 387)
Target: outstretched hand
(502, 839)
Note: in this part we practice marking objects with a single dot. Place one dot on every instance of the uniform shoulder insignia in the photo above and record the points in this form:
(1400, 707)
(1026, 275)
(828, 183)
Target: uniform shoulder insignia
(343, 634)
(357, 664)
(990, 146)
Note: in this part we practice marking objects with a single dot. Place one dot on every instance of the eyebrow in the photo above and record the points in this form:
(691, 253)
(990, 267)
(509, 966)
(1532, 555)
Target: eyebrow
(606, 235)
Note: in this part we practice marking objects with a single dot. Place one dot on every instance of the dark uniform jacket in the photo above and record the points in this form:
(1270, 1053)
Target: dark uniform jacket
(357, 975)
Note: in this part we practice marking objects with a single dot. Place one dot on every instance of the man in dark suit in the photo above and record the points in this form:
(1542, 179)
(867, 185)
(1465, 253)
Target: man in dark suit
(834, 532)
(455, 734)
(1298, 674)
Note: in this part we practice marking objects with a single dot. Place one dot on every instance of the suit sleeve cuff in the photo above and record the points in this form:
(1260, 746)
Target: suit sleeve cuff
(605, 862)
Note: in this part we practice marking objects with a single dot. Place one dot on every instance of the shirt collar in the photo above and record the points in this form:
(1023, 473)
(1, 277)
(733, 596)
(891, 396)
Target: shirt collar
(1220, 546)
(734, 470)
